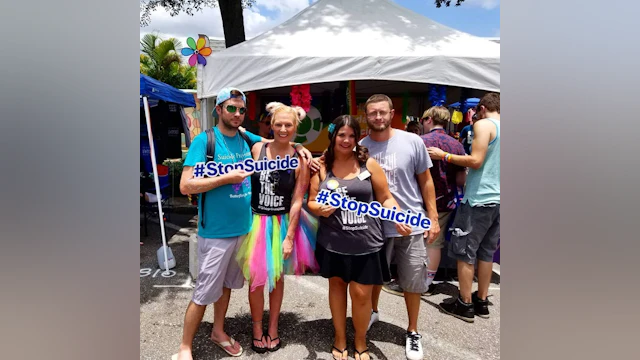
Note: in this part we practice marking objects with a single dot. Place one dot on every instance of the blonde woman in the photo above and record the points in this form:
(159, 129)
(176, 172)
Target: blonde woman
(282, 238)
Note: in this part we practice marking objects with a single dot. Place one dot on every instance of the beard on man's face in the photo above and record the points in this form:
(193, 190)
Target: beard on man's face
(375, 126)
(229, 120)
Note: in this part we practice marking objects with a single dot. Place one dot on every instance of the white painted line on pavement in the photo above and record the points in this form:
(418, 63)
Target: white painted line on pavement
(187, 285)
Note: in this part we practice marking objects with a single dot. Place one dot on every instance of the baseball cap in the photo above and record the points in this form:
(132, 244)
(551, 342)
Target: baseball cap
(225, 94)
(264, 116)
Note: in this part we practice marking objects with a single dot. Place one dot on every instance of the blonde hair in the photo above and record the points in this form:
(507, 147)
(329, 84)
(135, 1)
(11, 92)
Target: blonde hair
(439, 115)
(275, 108)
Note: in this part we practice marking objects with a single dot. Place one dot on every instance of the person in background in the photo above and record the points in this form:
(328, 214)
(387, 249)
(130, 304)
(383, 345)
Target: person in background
(443, 175)
(414, 127)
(264, 126)
(476, 227)
(466, 136)
(461, 179)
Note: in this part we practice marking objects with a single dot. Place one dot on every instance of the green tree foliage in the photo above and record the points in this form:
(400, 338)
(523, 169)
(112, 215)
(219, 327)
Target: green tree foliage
(161, 60)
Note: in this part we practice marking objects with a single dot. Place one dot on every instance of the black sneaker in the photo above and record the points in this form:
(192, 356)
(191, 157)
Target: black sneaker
(431, 290)
(393, 288)
(481, 307)
(459, 309)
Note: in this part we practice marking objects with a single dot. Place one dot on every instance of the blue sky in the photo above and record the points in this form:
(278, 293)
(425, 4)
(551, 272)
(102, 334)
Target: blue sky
(477, 17)
(469, 17)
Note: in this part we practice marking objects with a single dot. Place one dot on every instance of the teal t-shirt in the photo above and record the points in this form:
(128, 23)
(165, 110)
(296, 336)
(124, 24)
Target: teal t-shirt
(228, 207)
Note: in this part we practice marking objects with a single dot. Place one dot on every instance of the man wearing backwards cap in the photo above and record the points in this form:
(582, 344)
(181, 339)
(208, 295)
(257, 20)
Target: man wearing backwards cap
(220, 233)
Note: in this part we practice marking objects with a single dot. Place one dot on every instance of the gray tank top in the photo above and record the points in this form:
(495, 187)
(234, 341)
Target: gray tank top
(343, 232)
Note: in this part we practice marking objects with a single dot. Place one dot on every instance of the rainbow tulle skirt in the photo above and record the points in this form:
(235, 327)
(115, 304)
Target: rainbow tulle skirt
(260, 255)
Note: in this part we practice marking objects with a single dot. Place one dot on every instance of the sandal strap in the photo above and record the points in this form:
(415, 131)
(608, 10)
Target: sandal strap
(341, 351)
(360, 353)
(262, 337)
(270, 338)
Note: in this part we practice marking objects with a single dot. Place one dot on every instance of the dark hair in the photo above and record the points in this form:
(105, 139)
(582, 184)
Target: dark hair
(362, 153)
(491, 102)
(414, 125)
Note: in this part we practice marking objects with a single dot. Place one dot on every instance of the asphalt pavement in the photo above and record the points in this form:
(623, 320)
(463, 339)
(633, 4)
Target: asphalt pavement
(306, 330)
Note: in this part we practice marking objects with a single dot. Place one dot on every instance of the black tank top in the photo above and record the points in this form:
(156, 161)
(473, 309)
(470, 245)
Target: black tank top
(272, 191)
(343, 232)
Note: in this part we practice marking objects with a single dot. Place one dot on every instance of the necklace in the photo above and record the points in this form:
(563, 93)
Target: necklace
(229, 149)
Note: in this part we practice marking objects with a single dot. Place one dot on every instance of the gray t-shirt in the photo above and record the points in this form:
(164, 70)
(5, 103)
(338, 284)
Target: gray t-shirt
(402, 158)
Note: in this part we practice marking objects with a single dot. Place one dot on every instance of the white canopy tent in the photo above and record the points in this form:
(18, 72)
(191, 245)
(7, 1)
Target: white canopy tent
(339, 40)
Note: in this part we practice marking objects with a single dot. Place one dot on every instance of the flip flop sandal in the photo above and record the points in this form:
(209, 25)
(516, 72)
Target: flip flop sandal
(361, 352)
(259, 350)
(341, 353)
(224, 344)
(277, 347)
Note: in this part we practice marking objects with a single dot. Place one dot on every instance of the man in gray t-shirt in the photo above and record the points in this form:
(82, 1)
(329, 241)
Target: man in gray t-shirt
(406, 163)
(402, 158)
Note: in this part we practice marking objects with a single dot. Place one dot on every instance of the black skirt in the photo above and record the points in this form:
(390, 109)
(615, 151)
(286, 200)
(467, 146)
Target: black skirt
(369, 269)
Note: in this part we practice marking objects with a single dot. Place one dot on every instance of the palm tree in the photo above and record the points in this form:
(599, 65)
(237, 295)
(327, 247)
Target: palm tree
(161, 60)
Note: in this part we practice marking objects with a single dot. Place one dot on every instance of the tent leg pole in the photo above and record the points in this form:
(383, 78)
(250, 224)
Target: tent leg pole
(156, 181)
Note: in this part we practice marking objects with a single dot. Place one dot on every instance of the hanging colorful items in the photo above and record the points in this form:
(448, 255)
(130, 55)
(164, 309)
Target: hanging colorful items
(197, 51)
(351, 98)
(437, 95)
(456, 118)
(301, 96)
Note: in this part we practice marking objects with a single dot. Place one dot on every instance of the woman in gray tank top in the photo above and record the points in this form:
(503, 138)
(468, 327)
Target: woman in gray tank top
(348, 248)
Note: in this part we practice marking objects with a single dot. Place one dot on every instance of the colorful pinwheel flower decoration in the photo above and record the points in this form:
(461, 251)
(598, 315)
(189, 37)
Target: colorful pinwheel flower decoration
(197, 51)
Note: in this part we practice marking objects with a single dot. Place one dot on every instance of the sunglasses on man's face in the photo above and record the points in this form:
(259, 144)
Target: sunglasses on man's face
(232, 109)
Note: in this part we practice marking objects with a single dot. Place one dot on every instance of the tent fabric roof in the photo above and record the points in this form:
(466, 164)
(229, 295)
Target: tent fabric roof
(338, 40)
(157, 90)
